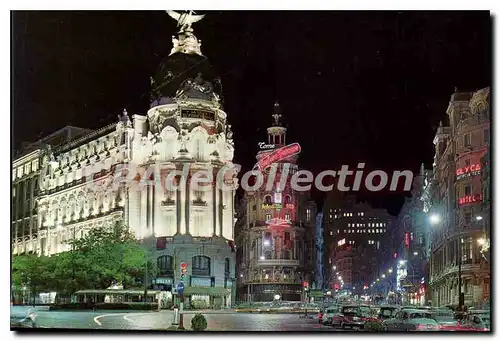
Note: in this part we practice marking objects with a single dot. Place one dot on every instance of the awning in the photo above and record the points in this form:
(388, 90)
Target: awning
(211, 291)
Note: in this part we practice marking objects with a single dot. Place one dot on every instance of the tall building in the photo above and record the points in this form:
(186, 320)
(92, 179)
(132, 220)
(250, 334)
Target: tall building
(359, 238)
(457, 266)
(277, 242)
(184, 129)
(320, 268)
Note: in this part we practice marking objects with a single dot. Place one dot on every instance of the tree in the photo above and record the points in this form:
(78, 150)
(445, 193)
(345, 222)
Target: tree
(107, 254)
(31, 272)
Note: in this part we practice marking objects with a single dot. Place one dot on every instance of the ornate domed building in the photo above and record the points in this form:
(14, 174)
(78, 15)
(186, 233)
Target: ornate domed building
(189, 228)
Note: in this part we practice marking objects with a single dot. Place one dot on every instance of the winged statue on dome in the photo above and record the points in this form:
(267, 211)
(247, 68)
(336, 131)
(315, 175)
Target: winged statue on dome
(185, 20)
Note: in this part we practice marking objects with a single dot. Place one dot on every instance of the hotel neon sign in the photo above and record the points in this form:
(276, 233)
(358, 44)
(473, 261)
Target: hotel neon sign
(468, 171)
(276, 206)
(470, 199)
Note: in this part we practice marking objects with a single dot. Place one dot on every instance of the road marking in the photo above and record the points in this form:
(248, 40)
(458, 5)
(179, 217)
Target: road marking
(96, 319)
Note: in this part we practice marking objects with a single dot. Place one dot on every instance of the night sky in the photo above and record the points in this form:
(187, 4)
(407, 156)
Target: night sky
(353, 86)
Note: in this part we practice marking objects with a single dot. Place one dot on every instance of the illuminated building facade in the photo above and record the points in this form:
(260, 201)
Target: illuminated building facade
(457, 199)
(185, 125)
(357, 239)
(278, 255)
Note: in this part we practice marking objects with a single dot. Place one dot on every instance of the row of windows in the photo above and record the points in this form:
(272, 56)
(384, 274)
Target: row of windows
(200, 265)
(363, 225)
(25, 170)
(269, 216)
(364, 231)
(467, 138)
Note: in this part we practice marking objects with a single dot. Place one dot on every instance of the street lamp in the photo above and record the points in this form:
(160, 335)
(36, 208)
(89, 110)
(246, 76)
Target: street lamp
(434, 218)
(262, 257)
(266, 242)
(383, 275)
(339, 278)
(378, 279)
(402, 262)
(415, 253)
(479, 217)
(334, 268)
(481, 241)
(390, 271)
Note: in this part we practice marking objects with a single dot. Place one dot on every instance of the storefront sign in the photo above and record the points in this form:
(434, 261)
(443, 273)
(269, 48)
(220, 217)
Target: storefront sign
(200, 114)
(278, 155)
(468, 171)
(201, 282)
(164, 280)
(263, 145)
(469, 199)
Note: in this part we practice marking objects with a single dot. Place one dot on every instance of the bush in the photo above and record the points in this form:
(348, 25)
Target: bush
(373, 326)
(198, 323)
(199, 304)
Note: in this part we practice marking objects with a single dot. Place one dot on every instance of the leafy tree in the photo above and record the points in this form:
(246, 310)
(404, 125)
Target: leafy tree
(32, 272)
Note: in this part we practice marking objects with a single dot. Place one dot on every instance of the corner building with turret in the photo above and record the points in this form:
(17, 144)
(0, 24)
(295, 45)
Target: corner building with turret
(276, 252)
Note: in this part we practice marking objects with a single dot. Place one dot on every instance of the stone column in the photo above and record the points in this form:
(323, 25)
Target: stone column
(182, 206)
(188, 199)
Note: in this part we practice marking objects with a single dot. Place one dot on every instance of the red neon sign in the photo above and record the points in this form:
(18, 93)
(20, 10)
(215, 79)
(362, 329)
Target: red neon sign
(278, 155)
(278, 221)
(468, 171)
(407, 240)
(469, 199)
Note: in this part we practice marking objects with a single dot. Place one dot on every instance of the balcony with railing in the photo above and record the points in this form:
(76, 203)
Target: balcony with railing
(279, 262)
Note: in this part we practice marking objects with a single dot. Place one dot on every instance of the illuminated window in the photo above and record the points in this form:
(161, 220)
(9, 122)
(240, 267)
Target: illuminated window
(268, 217)
(467, 190)
(308, 215)
(331, 233)
(362, 214)
(267, 200)
(348, 225)
(287, 217)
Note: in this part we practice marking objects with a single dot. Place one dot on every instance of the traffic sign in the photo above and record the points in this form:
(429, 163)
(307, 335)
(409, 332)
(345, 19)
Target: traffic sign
(184, 266)
(180, 288)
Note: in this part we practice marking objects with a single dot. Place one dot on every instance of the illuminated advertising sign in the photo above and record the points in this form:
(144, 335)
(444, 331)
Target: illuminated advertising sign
(400, 275)
(278, 221)
(341, 242)
(407, 240)
(263, 145)
(469, 199)
(278, 155)
(468, 171)
(276, 206)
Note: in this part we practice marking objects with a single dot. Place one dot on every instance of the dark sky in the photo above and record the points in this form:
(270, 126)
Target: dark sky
(354, 86)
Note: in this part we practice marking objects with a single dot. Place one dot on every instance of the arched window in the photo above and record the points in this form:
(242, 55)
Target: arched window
(227, 269)
(165, 265)
(267, 200)
(288, 200)
(201, 266)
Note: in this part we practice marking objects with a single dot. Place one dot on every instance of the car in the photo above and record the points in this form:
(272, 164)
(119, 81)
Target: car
(331, 316)
(446, 320)
(23, 319)
(411, 320)
(354, 316)
(484, 315)
(387, 312)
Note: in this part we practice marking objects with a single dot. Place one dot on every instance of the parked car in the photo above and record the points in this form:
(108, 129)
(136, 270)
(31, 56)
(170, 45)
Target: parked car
(446, 320)
(354, 316)
(484, 315)
(387, 312)
(411, 320)
(332, 316)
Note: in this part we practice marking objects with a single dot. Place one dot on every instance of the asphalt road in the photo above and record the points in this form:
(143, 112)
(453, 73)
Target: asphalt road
(217, 321)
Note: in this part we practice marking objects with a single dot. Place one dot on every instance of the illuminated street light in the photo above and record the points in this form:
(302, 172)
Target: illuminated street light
(481, 241)
(262, 257)
(383, 275)
(241, 275)
(415, 253)
(434, 218)
(402, 262)
(334, 267)
(337, 273)
(339, 278)
(378, 279)
(266, 242)
(390, 271)
(479, 217)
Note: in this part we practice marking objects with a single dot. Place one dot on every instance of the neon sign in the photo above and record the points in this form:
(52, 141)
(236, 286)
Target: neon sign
(469, 199)
(407, 240)
(468, 171)
(278, 221)
(263, 145)
(278, 155)
(276, 206)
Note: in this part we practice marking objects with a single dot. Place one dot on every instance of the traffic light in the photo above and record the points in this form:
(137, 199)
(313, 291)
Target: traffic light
(183, 277)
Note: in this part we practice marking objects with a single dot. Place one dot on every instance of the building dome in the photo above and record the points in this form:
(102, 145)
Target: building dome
(187, 75)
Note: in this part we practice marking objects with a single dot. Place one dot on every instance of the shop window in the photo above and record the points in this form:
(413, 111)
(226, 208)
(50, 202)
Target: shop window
(165, 265)
(267, 200)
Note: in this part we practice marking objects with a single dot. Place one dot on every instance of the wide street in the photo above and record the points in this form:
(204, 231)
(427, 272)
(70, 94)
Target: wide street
(217, 321)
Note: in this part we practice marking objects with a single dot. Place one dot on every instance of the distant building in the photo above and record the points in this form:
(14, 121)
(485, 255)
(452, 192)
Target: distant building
(320, 269)
(359, 239)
